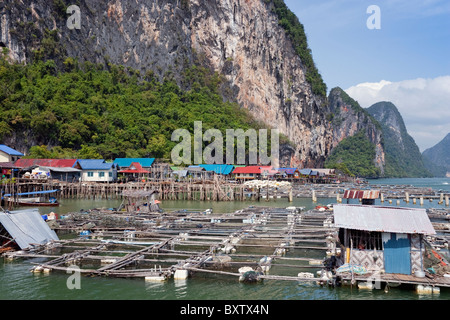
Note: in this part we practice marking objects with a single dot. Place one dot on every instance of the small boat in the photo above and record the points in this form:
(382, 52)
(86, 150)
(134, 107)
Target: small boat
(33, 202)
(26, 203)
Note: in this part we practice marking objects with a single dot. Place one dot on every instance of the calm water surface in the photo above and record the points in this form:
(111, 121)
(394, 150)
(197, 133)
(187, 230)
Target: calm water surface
(18, 283)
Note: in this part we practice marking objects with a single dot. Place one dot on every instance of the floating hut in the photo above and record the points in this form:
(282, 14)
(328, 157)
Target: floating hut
(367, 197)
(140, 201)
(385, 239)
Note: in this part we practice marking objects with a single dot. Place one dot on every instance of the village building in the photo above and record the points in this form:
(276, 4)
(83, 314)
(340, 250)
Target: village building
(134, 172)
(145, 163)
(57, 173)
(269, 172)
(385, 239)
(219, 169)
(367, 197)
(247, 173)
(9, 170)
(96, 170)
(198, 173)
(61, 169)
(289, 173)
(8, 154)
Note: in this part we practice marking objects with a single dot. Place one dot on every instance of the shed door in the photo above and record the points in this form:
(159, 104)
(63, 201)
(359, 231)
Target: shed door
(397, 253)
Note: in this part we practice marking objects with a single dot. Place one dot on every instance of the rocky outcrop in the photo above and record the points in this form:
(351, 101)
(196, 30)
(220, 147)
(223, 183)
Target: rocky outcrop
(403, 157)
(242, 40)
(437, 158)
(348, 118)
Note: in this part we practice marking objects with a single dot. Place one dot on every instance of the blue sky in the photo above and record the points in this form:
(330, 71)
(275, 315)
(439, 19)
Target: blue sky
(408, 57)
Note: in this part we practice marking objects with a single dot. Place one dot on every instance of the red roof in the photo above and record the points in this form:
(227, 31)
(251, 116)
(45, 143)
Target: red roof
(249, 169)
(135, 167)
(361, 194)
(55, 163)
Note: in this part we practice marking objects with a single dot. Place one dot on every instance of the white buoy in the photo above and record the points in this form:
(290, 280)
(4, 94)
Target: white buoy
(365, 285)
(243, 270)
(305, 275)
(181, 275)
(155, 279)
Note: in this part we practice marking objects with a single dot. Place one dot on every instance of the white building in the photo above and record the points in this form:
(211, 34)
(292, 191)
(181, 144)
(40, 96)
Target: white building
(96, 170)
(8, 154)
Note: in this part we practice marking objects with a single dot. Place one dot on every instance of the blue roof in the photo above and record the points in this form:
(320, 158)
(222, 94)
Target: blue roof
(10, 151)
(305, 171)
(126, 162)
(218, 168)
(94, 164)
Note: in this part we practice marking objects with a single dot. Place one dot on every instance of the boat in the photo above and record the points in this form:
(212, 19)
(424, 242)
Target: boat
(19, 200)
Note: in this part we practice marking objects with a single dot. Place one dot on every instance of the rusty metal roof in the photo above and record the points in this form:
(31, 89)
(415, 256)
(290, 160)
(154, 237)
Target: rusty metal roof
(361, 194)
(383, 219)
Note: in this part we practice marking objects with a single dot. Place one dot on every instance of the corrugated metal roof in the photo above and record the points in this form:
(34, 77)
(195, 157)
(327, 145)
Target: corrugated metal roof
(218, 168)
(249, 169)
(382, 219)
(126, 162)
(10, 151)
(27, 227)
(94, 164)
(57, 163)
(361, 194)
(63, 169)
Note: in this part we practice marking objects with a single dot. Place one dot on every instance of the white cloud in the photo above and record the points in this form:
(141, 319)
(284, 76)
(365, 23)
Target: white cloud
(423, 103)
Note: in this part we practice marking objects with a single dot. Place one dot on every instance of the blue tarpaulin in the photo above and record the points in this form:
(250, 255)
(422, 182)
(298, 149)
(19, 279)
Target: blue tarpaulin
(30, 193)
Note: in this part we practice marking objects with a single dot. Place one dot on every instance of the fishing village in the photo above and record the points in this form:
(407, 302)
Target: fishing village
(350, 242)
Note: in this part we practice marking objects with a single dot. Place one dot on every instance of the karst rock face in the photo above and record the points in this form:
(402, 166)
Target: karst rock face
(240, 39)
(350, 118)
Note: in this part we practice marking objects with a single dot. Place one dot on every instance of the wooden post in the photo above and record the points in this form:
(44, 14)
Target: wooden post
(441, 198)
(446, 201)
(421, 201)
(382, 197)
(314, 198)
(407, 197)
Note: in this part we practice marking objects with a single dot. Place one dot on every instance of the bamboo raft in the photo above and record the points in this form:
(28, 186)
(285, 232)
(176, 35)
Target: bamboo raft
(259, 238)
(277, 244)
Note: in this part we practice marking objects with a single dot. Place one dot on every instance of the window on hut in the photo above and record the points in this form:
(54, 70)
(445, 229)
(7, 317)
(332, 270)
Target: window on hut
(362, 240)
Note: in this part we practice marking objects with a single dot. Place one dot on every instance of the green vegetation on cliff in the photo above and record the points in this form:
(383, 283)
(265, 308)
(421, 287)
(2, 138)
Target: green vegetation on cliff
(107, 111)
(296, 32)
(355, 156)
(403, 158)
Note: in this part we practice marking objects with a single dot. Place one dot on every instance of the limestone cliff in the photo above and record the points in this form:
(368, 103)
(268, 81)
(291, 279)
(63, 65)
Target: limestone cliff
(347, 118)
(403, 157)
(240, 39)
